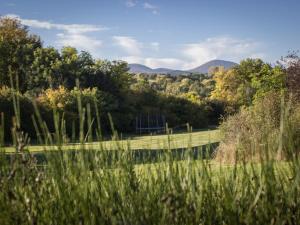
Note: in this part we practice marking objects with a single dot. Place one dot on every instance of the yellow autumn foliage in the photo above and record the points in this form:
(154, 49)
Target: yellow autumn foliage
(55, 98)
(226, 88)
(61, 97)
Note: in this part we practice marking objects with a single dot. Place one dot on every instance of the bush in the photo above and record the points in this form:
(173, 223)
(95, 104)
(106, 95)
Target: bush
(66, 101)
(55, 98)
(61, 100)
(269, 128)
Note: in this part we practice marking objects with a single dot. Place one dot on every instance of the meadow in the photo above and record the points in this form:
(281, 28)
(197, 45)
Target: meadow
(83, 188)
(135, 142)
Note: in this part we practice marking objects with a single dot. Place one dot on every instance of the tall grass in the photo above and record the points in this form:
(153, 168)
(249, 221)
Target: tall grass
(94, 187)
(270, 129)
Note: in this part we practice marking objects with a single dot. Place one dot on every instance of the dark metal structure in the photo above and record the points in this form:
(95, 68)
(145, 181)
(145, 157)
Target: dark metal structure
(150, 123)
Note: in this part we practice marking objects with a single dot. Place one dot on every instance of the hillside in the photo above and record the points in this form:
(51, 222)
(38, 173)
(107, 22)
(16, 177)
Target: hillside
(139, 68)
(204, 68)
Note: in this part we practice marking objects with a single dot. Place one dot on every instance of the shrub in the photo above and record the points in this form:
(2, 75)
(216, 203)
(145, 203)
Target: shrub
(64, 99)
(55, 98)
(269, 128)
(66, 102)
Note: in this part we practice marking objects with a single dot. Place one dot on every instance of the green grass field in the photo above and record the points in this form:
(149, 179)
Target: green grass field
(173, 141)
(93, 187)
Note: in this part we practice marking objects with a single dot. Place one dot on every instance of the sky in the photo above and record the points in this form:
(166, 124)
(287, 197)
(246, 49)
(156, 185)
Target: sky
(177, 34)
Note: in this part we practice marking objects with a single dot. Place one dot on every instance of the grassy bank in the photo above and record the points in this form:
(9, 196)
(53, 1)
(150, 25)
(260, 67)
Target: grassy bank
(182, 140)
(79, 189)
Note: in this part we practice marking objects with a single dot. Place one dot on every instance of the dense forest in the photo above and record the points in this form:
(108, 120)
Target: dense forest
(47, 80)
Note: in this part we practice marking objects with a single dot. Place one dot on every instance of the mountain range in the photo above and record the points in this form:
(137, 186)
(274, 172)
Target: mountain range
(204, 68)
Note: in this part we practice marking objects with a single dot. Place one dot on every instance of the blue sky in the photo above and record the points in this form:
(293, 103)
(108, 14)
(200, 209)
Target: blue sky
(176, 34)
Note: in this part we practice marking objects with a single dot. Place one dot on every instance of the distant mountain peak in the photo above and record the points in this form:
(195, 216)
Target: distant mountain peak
(204, 68)
(139, 68)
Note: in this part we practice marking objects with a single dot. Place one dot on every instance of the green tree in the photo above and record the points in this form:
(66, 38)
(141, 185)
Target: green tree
(227, 86)
(70, 68)
(45, 69)
(17, 47)
(246, 72)
(273, 79)
(86, 70)
(114, 76)
(251, 79)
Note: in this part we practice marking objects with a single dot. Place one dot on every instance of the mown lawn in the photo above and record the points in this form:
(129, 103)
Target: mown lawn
(172, 141)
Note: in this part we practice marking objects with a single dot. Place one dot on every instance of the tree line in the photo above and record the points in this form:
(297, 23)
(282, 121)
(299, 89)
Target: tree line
(53, 79)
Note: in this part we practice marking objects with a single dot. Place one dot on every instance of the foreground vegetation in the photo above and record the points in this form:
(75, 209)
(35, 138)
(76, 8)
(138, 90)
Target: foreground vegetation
(84, 189)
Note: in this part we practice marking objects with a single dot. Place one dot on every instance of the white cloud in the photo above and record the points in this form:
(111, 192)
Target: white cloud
(70, 28)
(219, 48)
(152, 8)
(195, 54)
(80, 41)
(131, 3)
(163, 62)
(73, 34)
(258, 55)
(133, 46)
(128, 44)
(132, 59)
(155, 46)
(136, 49)
(154, 62)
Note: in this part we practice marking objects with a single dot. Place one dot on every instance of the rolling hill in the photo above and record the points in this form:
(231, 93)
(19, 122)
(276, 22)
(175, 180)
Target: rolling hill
(204, 68)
